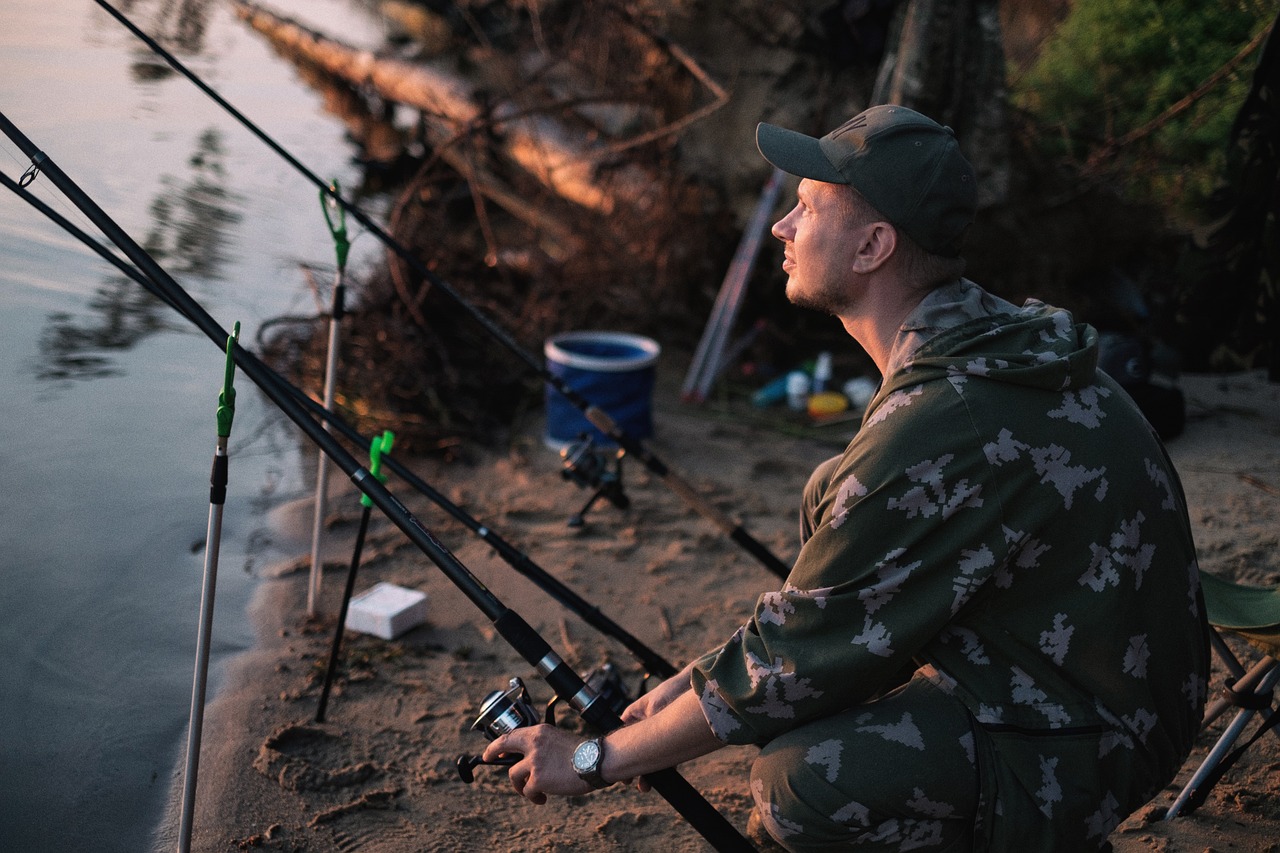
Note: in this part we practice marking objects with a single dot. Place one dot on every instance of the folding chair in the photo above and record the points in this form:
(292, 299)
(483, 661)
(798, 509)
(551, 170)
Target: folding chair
(1252, 613)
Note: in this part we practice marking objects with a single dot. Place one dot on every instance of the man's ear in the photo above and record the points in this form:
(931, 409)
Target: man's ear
(879, 239)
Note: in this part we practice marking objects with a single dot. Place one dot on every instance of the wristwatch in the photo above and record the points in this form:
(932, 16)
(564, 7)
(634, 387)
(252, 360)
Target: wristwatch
(586, 762)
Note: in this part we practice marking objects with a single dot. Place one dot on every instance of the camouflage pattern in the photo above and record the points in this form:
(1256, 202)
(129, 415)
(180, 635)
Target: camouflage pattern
(838, 782)
(1007, 525)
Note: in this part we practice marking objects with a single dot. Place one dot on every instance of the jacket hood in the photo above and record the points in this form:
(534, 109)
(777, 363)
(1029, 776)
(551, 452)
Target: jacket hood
(1036, 345)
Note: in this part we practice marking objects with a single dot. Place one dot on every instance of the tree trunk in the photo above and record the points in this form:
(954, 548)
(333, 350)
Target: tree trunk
(1228, 299)
(946, 60)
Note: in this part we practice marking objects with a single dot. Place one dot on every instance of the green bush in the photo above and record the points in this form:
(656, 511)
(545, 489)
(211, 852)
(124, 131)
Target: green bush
(1113, 66)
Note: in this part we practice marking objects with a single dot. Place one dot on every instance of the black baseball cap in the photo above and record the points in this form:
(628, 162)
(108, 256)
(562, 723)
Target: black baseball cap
(905, 164)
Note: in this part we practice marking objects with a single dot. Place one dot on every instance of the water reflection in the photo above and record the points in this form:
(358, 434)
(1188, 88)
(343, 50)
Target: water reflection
(125, 314)
(101, 599)
(177, 26)
(190, 224)
(192, 221)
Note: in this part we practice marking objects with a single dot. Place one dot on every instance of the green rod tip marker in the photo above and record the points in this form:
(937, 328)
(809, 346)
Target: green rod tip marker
(377, 447)
(227, 398)
(329, 204)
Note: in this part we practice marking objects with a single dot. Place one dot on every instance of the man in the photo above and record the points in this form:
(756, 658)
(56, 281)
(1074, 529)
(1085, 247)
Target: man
(992, 638)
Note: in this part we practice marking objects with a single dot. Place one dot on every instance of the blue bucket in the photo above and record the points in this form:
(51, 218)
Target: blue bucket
(613, 371)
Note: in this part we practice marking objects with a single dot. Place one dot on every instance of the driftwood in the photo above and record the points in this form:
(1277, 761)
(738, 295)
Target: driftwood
(561, 158)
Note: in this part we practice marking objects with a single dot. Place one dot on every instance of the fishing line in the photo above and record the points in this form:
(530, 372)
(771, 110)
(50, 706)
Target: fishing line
(654, 664)
(600, 419)
(521, 636)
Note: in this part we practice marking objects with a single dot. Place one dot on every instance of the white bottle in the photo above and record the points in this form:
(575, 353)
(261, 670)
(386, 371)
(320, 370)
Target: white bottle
(860, 390)
(797, 390)
(821, 372)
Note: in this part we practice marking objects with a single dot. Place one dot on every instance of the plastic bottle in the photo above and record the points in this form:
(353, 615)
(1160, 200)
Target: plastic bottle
(860, 390)
(821, 372)
(773, 392)
(797, 390)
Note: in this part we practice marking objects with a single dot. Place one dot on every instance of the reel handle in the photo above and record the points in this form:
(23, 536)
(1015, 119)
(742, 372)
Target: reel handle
(467, 764)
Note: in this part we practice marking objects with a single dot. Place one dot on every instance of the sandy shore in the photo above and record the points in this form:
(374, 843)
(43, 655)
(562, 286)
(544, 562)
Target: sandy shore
(379, 774)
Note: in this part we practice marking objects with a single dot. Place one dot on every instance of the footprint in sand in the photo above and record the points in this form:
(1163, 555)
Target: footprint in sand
(308, 758)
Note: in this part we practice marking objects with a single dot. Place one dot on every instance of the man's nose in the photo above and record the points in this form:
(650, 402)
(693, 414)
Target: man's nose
(782, 228)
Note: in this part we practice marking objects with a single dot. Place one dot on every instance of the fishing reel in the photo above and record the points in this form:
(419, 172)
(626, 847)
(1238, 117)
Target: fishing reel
(503, 711)
(592, 467)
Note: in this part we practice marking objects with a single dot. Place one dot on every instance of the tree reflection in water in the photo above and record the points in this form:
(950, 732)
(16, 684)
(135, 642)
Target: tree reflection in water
(189, 236)
(177, 25)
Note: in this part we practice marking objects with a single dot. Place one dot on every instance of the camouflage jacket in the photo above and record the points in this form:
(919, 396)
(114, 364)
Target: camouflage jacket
(1006, 518)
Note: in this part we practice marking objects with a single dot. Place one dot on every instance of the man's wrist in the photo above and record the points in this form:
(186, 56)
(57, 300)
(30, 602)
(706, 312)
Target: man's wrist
(588, 761)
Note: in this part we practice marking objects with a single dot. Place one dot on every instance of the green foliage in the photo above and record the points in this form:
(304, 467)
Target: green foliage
(1114, 66)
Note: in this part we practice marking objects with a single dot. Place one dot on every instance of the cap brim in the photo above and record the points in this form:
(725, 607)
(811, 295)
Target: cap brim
(796, 154)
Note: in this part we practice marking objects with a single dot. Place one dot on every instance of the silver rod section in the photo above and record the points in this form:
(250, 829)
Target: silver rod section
(199, 682)
(322, 461)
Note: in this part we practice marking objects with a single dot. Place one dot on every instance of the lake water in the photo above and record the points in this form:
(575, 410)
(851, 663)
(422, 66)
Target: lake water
(107, 397)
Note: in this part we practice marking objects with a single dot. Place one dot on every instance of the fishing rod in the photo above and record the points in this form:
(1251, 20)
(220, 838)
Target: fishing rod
(654, 664)
(598, 418)
(512, 627)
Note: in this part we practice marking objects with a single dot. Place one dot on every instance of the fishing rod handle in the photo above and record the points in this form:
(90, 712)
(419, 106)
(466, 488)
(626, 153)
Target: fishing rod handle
(733, 528)
(218, 475)
(756, 548)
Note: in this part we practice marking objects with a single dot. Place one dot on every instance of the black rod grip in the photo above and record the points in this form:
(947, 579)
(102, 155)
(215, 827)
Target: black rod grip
(218, 479)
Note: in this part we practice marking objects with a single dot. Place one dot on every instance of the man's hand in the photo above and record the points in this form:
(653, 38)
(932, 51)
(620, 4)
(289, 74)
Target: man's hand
(658, 698)
(669, 729)
(547, 766)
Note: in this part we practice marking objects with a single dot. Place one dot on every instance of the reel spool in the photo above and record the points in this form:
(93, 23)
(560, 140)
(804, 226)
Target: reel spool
(504, 711)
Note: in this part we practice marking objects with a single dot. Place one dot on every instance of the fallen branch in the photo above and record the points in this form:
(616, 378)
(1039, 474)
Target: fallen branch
(1110, 150)
(558, 157)
(1254, 481)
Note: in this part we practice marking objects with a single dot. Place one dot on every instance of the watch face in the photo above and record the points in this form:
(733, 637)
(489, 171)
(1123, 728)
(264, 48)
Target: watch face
(586, 756)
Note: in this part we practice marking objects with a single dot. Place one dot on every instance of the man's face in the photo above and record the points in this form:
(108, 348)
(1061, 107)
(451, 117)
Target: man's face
(821, 237)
